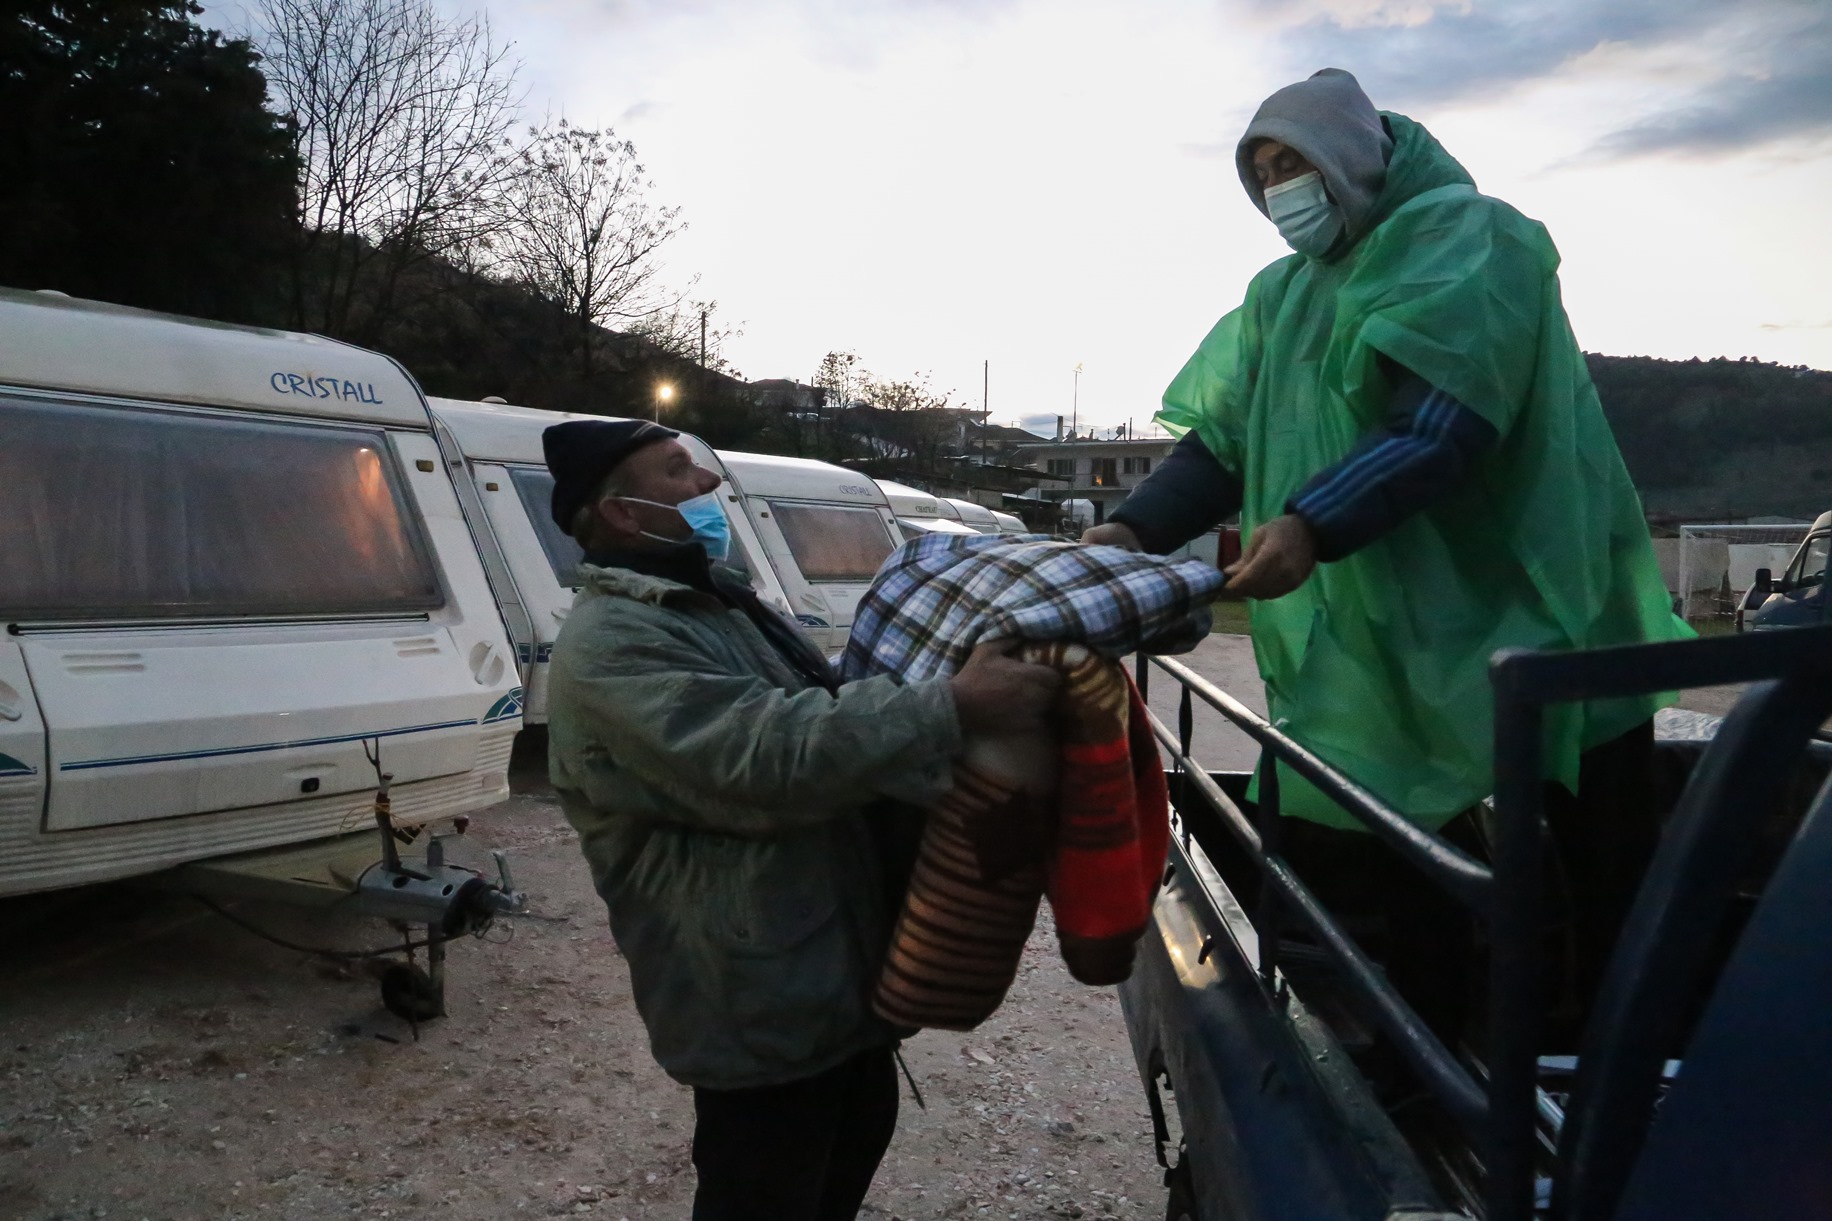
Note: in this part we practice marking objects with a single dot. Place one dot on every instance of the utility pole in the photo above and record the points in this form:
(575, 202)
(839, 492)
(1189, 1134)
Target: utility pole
(702, 339)
(1075, 403)
(985, 411)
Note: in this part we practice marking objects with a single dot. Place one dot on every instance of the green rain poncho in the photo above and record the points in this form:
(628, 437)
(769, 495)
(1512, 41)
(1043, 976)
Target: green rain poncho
(1379, 662)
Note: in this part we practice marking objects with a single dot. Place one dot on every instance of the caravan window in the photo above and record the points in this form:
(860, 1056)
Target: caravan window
(118, 513)
(834, 542)
(535, 487)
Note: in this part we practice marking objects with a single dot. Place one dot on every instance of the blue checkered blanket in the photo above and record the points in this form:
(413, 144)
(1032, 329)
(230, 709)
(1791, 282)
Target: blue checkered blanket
(938, 596)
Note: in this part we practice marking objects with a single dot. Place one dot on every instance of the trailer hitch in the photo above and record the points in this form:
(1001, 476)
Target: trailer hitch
(448, 900)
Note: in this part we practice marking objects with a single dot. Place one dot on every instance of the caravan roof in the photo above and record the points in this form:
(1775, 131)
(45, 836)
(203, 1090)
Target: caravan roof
(907, 501)
(61, 343)
(499, 432)
(503, 432)
(917, 510)
(777, 478)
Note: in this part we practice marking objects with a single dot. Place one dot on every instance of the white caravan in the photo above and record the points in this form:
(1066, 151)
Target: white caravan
(532, 563)
(975, 517)
(825, 530)
(233, 565)
(918, 513)
(1010, 523)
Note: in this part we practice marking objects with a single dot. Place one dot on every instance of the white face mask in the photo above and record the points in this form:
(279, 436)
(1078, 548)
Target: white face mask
(1307, 219)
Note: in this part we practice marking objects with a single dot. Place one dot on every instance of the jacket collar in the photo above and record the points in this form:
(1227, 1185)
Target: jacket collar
(685, 565)
(653, 576)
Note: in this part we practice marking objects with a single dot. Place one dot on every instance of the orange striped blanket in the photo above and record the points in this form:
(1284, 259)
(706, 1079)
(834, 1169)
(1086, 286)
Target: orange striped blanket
(1082, 816)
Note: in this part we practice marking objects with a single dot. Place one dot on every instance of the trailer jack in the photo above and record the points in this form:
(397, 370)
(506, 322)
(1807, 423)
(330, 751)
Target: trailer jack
(341, 874)
(448, 900)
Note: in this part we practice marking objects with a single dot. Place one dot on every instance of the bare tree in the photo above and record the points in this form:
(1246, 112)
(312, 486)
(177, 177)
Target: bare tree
(840, 375)
(691, 330)
(402, 119)
(582, 232)
(910, 415)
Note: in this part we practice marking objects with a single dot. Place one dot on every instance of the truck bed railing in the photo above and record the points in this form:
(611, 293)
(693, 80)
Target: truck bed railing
(1285, 895)
(1662, 950)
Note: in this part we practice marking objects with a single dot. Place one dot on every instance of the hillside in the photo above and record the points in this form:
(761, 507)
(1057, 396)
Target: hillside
(1721, 438)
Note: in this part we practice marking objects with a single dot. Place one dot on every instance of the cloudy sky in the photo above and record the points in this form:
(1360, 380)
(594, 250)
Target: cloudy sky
(1041, 183)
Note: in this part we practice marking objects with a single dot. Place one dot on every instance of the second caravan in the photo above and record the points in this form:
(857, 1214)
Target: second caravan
(825, 530)
(533, 563)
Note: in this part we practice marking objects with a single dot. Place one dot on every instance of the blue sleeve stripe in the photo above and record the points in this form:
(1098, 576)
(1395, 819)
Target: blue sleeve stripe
(1429, 425)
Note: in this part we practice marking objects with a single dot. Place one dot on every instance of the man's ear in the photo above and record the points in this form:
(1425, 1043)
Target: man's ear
(618, 516)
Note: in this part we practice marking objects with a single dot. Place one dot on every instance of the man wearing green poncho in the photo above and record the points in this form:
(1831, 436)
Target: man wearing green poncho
(1404, 420)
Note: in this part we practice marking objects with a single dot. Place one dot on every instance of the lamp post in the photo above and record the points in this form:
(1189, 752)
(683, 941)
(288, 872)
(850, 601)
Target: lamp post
(664, 392)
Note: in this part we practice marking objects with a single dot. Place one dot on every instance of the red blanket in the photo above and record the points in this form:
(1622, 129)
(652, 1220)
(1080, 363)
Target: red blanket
(1086, 822)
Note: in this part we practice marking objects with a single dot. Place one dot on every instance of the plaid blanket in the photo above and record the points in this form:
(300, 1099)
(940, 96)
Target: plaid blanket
(1080, 814)
(938, 596)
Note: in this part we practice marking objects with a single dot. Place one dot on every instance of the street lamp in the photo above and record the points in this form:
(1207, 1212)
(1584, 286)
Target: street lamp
(664, 392)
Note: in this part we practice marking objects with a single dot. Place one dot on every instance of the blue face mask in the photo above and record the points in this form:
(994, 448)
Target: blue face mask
(1307, 219)
(704, 517)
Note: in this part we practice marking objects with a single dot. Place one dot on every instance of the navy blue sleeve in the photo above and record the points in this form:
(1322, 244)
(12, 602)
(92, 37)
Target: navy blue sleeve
(1422, 452)
(1189, 494)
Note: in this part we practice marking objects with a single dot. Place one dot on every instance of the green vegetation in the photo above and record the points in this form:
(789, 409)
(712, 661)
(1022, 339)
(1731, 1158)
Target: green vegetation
(1721, 439)
(138, 163)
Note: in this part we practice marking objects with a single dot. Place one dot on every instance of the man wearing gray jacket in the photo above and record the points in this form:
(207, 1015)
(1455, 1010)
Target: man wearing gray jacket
(741, 815)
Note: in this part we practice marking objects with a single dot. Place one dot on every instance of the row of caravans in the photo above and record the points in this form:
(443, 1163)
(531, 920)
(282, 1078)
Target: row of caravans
(235, 564)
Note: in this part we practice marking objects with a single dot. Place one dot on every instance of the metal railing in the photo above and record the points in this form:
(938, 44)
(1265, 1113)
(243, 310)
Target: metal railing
(1498, 1105)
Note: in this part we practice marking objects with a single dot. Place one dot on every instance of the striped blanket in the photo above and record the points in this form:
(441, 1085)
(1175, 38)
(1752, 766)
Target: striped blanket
(1079, 814)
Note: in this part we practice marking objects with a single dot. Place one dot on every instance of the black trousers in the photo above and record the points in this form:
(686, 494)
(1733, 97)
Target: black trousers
(1602, 841)
(804, 1151)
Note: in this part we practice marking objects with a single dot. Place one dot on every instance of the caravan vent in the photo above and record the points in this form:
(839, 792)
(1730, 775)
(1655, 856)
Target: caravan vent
(104, 663)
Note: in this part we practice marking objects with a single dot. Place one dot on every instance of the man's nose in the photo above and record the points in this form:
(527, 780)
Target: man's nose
(709, 480)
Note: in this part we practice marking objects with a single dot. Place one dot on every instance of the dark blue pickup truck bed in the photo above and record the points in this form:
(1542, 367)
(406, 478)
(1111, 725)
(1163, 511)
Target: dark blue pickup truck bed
(1250, 1067)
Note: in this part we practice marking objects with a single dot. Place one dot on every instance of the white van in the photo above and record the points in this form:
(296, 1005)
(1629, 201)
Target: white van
(533, 563)
(231, 561)
(825, 529)
(918, 513)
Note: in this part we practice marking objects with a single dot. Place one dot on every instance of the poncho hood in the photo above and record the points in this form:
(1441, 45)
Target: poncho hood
(1417, 164)
(1371, 161)
(1331, 121)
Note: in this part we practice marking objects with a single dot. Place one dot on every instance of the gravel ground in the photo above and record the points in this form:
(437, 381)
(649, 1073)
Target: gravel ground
(159, 1062)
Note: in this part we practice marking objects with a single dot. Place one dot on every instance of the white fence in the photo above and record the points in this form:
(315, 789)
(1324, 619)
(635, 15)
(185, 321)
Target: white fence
(1717, 564)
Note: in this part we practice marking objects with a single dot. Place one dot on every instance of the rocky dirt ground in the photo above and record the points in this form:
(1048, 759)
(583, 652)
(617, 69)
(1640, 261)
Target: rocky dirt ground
(159, 1062)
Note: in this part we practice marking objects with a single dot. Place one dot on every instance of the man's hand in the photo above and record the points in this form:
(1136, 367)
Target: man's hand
(997, 694)
(1112, 534)
(1278, 559)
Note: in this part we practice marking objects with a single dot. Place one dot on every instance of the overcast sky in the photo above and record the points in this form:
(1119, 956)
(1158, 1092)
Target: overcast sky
(1041, 183)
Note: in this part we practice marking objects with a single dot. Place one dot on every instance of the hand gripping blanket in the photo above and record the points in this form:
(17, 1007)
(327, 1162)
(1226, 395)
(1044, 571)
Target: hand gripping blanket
(1081, 813)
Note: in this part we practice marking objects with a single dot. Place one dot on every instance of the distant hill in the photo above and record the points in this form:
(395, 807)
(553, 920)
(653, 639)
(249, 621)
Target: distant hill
(1720, 439)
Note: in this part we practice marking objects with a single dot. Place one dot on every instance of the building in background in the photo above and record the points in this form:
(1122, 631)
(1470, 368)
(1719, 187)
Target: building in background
(1100, 472)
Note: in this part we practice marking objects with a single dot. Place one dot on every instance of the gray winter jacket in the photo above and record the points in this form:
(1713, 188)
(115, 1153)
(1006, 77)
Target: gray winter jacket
(724, 804)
